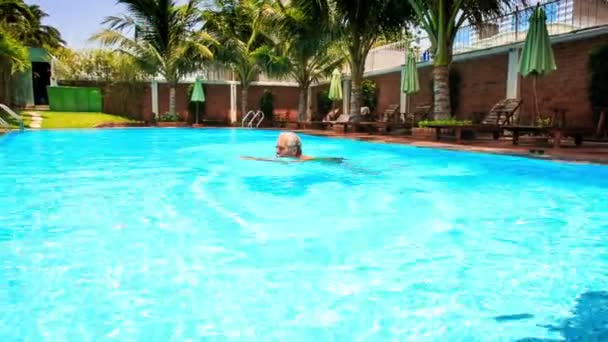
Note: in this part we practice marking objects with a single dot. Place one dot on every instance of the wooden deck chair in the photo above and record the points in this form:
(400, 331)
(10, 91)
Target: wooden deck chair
(502, 112)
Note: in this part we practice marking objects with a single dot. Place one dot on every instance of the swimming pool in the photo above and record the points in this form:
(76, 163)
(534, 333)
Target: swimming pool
(166, 235)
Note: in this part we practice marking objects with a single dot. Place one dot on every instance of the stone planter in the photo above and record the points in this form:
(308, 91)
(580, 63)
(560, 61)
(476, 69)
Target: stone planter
(121, 124)
(423, 133)
(171, 124)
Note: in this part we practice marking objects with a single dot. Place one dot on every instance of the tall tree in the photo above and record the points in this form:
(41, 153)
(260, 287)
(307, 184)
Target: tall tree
(302, 48)
(361, 23)
(238, 27)
(39, 35)
(441, 20)
(163, 37)
(15, 17)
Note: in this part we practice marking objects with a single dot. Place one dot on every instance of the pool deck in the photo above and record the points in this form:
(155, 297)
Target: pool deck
(590, 152)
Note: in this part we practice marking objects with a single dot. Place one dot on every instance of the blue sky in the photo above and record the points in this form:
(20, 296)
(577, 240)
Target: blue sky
(78, 19)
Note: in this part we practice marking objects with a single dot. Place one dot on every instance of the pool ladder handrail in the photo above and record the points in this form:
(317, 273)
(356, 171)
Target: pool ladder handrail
(254, 115)
(14, 115)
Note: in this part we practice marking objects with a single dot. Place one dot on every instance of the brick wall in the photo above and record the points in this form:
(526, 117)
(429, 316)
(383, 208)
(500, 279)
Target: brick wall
(285, 99)
(567, 86)
(484, 79)
(388, 90)
(483, 83)
(217, 100)
(425, 95)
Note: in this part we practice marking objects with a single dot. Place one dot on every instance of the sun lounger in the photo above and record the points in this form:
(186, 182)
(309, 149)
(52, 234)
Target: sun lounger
(500, 114)
(388, 121)
(556, 133)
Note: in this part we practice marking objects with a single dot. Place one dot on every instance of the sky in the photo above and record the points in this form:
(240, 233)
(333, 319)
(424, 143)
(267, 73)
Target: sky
(77, 20)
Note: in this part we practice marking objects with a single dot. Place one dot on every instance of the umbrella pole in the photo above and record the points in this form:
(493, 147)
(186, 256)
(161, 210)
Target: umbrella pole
(536, 108)
(197, 112)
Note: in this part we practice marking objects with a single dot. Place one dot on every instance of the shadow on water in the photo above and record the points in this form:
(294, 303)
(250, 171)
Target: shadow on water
(589, 321)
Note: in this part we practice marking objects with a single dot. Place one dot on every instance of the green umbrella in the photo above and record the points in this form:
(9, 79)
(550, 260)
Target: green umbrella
(335, 86)
(409, 75)
(537, 56)
(198, 95)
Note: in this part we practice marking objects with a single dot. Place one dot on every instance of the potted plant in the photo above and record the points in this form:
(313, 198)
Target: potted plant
(170, 120)
(597, 88)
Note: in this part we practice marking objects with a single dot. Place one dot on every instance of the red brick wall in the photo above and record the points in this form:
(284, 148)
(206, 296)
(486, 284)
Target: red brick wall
(483, 83)
(285, 99)
(425, 95)
(567, 86)
(388, 90)
(217, 101)
(484, 79)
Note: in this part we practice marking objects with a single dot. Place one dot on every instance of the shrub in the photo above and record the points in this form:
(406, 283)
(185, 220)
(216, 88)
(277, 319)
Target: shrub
(369, 94)
(267, 104)
(455, 81)
(168, 117)
(597, 88)
(446, 122)
(323, 103)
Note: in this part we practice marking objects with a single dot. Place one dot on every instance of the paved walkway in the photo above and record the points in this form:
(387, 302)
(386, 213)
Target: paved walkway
(36, 121)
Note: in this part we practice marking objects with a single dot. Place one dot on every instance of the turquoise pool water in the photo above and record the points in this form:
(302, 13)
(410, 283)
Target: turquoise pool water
(166, 235)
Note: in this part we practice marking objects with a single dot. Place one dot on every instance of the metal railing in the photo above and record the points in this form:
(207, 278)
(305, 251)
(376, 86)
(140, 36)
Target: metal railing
(563, 16)
(252, 116)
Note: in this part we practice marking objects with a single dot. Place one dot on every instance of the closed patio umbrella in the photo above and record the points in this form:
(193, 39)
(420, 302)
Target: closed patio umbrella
(537, 55)
(409, 75)
(198, 95)
(335, 86)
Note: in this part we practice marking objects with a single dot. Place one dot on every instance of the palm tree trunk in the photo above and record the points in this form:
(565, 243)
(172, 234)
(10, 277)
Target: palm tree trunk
(442, 59)
(355, 91)
(302, 105)
(244, 94)
(441, 91)
(5, 77)
(308, 104)
(172, 99)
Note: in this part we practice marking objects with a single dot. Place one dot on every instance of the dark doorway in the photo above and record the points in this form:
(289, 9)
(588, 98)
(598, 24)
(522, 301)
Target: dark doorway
(41, 77)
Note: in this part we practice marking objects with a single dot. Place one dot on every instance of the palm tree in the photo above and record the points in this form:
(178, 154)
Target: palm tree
(360, 23)
(168, 39)
(15, 17)
(39, 35)
(441, 20)
(237, 25)
(13, 54)
(302, 49)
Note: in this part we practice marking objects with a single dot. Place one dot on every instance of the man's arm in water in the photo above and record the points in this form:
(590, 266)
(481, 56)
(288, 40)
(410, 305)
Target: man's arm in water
(274, 160)
(304, 159)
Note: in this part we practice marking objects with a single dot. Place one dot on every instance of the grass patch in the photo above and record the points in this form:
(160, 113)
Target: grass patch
(73, 119)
